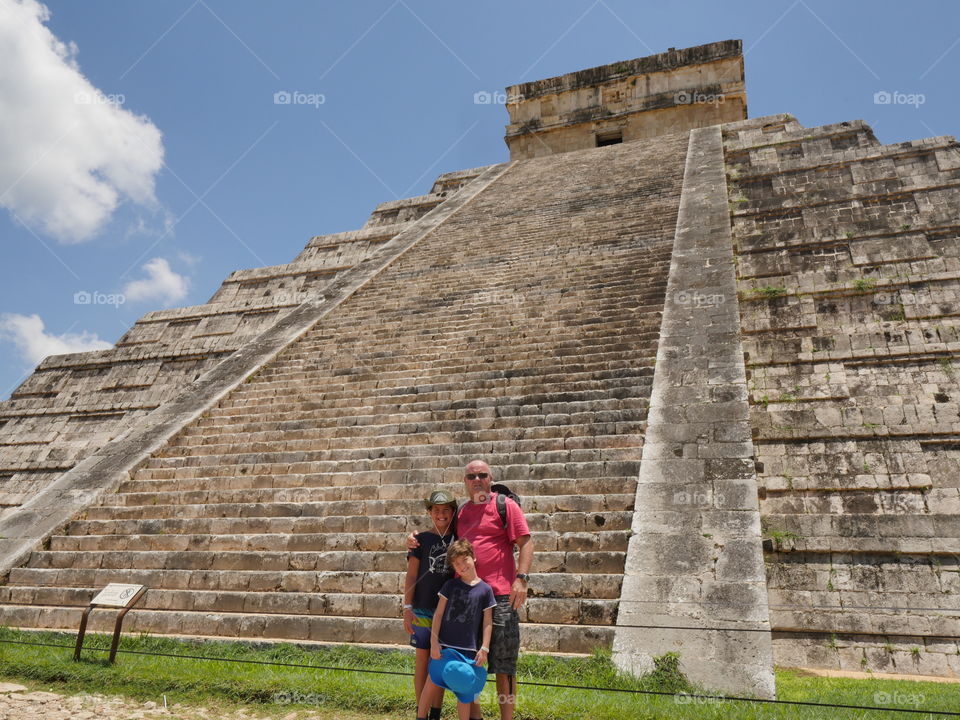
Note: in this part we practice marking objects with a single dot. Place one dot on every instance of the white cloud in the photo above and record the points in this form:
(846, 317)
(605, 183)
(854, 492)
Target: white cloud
(189, 258)
(68, 156)
(161, 283)
(34, 343)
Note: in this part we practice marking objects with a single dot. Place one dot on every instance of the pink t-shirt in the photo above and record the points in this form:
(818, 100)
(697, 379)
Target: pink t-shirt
(492, 543)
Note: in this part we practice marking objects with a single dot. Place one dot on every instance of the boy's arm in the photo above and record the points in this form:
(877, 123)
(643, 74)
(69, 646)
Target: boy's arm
(435, 629)
(487, 634)
(413, 567)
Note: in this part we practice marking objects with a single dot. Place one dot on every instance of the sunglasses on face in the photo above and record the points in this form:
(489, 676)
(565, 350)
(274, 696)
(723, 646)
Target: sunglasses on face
(477, 476)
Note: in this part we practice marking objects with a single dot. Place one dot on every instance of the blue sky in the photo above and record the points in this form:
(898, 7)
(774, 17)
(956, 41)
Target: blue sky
(181, 167)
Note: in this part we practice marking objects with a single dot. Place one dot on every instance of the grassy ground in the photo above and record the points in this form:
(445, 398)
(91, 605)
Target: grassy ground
(278, 689)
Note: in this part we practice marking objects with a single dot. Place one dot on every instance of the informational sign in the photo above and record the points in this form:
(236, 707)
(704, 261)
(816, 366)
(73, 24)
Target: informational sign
(116, 595)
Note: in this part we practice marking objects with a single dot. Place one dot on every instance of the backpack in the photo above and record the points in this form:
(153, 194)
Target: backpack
(503, 492)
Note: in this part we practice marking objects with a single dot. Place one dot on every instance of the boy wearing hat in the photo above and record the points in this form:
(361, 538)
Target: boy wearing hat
(460, 636)
(427, 571)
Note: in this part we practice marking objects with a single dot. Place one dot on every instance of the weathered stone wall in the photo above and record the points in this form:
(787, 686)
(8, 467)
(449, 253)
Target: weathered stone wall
(636, 99)
(849, 272)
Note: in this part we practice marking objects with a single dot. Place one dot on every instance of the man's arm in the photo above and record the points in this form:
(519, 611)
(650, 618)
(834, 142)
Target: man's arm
(518, 593)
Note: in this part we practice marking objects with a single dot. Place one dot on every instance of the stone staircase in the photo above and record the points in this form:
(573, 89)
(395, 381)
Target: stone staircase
(849, 276)
(523, 330)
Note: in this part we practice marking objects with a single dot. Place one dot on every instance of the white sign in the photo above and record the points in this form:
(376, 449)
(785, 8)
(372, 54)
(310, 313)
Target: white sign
(116, 595)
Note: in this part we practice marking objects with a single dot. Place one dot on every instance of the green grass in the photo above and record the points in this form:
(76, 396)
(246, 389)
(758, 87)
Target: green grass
(780, 537)
(206, 682)
(770, 291)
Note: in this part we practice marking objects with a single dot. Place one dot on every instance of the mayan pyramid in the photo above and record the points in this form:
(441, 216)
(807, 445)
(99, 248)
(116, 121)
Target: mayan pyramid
(713, 354)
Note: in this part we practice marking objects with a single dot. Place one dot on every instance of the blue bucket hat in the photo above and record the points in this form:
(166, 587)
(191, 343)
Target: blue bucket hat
(454, 672)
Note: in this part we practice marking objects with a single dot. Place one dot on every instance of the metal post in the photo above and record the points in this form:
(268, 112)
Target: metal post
(82, 632)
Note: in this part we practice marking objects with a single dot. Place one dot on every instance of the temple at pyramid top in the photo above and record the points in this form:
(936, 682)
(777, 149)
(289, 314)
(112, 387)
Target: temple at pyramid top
(670, 92)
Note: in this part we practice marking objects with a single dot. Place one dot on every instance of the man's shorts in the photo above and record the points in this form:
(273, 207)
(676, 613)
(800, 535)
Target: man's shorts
(505, 642)
(422, 624)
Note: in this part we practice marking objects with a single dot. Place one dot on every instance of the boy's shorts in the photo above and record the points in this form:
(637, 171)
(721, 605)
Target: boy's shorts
(505, 641)
(422, 624)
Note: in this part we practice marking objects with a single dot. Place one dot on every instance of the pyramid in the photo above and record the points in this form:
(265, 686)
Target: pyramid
(713, 354)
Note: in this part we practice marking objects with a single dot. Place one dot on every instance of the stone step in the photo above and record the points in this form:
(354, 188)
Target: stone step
(331, 561)
(407, 452)
(517, 423)
(630, 409)
(398, 362)
(349, 438)
(566, 522)
(346, 508)
(585, 390)
(553, 609)
(316, 360)
(576, 320)
(869, 622)
(639, 325)
(584, 486)
(340, 370)
(512, 466)
(453, 397)
(349, 371)
(585, 456)
(545, 447)
(604, 586)
(155, 479)
(545, 541)
(868, 526)
(521, 464)
(535, 637)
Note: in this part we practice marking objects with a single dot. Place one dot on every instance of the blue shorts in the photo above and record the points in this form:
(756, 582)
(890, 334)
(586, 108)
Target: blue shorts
(422, 624)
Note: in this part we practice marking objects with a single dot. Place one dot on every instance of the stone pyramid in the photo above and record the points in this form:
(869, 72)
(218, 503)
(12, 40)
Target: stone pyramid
(713, 354)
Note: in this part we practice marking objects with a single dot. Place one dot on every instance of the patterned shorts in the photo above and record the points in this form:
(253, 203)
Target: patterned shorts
(505, 642)
(422, 624)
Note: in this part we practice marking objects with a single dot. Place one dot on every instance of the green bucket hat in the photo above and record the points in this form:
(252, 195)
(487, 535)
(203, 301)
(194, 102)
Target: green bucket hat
(440, 497)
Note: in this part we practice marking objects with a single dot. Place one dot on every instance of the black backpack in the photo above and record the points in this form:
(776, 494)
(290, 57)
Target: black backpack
(503, 492)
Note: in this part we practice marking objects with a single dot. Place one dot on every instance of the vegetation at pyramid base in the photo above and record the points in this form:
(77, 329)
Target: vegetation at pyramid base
(271, 681)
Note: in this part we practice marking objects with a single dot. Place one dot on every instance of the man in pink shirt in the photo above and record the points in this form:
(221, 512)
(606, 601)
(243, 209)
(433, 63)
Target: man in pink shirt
(493, 540)
(479, 521)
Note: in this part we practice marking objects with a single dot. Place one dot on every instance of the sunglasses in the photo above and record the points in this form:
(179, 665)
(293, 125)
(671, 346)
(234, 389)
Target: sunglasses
(477, 476)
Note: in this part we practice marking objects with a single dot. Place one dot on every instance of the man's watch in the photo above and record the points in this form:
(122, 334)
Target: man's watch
(523, 576)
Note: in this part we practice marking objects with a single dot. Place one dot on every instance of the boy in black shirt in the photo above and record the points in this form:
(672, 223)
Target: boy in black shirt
(427, 571)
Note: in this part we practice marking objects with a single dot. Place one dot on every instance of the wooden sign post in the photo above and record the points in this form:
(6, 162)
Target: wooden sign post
(114, 595)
